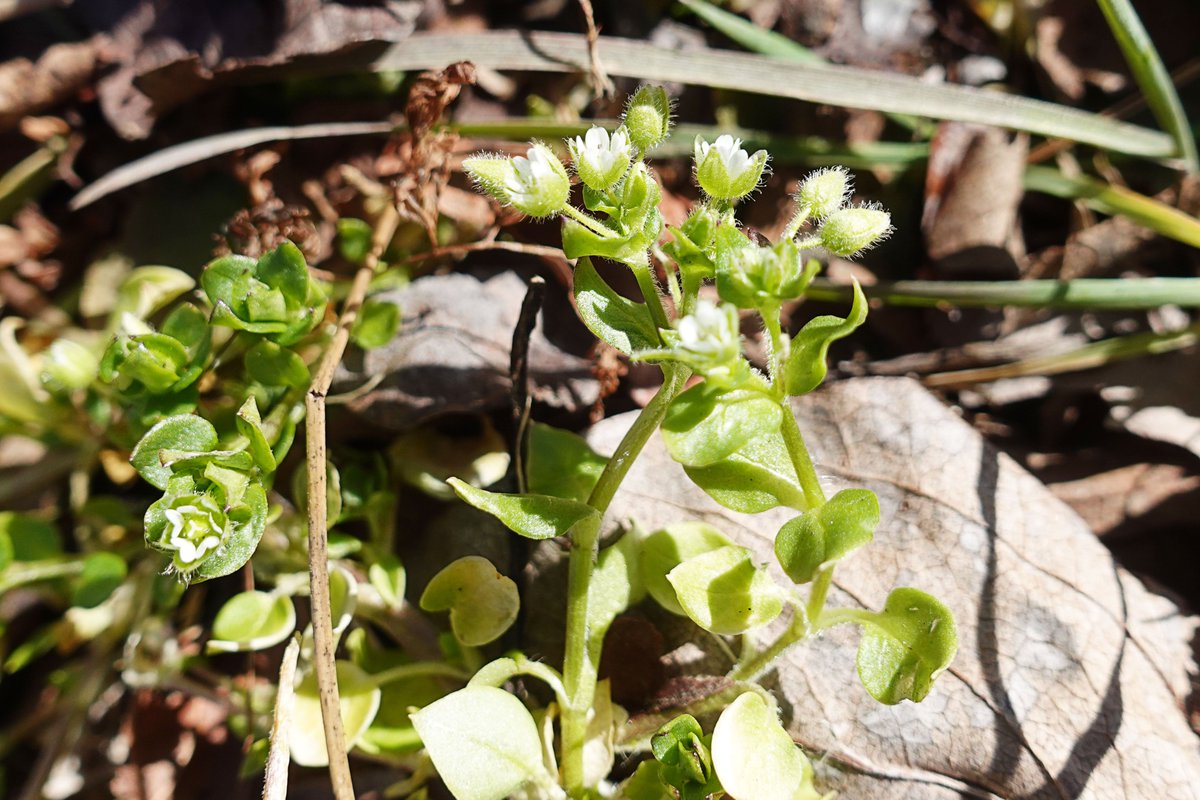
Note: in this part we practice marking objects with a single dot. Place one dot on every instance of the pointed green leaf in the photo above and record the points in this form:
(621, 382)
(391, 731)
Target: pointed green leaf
(758, 477)
(560, 463)
(806, 365)
(186, 432)
(822, 536)
(619, 321)
(252, 621)
(358, 701)
(285, 270)
(754, 756)
(906, 647)
(724, 592)
(483, 604)
(249, 424)
(534, 516)
(377, 323)
(705, 424)
(665, 549)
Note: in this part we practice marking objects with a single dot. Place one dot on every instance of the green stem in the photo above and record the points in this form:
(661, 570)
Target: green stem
(19, 573)
(579, 669)
(840, 616)
(793, 227)
(761, 661)
(820, 589)
(586, 221)
(650, 291)
(770, 318)
(801, 460)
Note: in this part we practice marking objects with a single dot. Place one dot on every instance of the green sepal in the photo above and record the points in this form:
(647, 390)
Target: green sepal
(723, 591)
(186, 432)
(806, 367)
(758, 477)
(683, 750)
(158, 362)
(819, 537)
(620, 322)
(249, 424)
(581, 242)
(247, 521)
(906, 646)
(534, 516)
(706, 424)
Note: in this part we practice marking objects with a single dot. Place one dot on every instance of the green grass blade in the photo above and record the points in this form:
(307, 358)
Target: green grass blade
(1096, 354)
(816, 83)
(770, 43)
(1151, 75)
(1113, 200)
(1085, 293)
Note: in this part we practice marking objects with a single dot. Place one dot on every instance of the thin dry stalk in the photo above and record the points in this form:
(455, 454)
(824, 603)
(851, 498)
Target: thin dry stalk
(276, 783)
(318, 540)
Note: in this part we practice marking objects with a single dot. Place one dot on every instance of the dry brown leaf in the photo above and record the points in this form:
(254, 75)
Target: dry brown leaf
(27, 87)
(1070, 676)
(1133, 496)
(451, 355)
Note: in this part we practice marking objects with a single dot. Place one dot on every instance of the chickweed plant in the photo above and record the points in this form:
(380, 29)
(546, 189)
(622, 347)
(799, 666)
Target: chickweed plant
(145, 385)
(736, 437)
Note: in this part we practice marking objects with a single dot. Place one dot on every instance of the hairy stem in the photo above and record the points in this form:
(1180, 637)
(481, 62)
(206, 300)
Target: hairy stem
(801, 460)
(318, 541)
(649, 288)
(761, 661)
(579, 668)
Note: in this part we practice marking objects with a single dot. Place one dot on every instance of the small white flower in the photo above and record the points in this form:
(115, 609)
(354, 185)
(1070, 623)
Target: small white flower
(709, 336)
(601, 159)
(192, 533)
(724, 170)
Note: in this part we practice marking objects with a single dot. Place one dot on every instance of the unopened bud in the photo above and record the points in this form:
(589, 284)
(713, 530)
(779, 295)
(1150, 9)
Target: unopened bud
(824, 192)
(853, 230)
(648, 117)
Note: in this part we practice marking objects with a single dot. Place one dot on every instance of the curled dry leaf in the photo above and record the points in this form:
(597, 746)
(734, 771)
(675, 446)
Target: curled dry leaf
(1070, 676)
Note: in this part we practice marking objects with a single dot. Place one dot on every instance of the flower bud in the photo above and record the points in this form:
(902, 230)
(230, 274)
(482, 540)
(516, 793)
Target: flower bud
(535, 183)
(600, 159)
(853, 230)
(753, 277)
(724, 170)
(648, 117)
(824, 192)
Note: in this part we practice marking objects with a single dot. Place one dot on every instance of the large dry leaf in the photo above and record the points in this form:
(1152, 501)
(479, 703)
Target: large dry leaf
(1070, 674)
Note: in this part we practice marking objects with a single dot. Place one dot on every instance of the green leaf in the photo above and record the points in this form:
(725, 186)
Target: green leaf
(354, 239)
(248, 520)
(147, 289)
(483, 604)
(483, 742)
(723, 592)
(616, 585)
(756, 478)
(665, 549)
(285, 270)
(252, 621)
(30, 538)
(646, 783)
(358, 702)
(249, 424)
(102, 574)
(377, 323)
(618, 321)
(755, 757)
(224, 278)
(186, 432)
(706, 424)
(534, 516)
(805, 367)
(906, 646)
(560, 463)
(272, 365)
(388, 577)
(824, 535)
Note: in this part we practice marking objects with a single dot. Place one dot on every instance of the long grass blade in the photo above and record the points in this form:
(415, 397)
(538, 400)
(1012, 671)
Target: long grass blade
(1113, 200)
(815, 83)
(1151, 75)
(1096, 354)
(769, 43)
(1084, 293)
